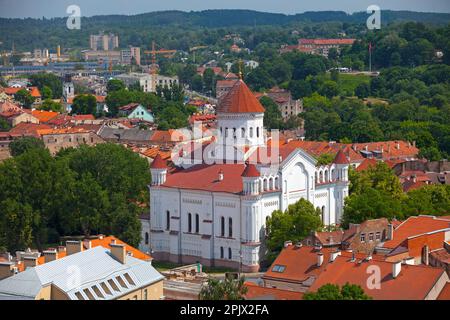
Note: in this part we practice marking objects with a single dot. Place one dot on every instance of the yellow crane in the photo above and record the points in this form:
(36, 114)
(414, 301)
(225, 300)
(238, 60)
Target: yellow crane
(194, 49)
(154, 52)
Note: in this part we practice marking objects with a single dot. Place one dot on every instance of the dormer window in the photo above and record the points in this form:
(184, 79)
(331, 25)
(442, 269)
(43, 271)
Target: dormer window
(362, 237)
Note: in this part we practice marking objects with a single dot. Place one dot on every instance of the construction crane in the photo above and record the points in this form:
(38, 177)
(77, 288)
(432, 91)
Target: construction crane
(153, 70)
(194, 49)
(154, 52)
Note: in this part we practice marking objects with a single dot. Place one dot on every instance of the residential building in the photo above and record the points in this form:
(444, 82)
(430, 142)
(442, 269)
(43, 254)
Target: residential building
(286, 104)
(318, 46)
(223, 87)
(72, 137)
(216, 213)
(131, 54)
(103, 274)
(398, 281)
(103, 41)
(104, 57)
(136, 111)
(148, 82)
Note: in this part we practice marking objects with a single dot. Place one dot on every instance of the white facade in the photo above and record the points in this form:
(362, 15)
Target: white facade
(148, 82)
(227, 228)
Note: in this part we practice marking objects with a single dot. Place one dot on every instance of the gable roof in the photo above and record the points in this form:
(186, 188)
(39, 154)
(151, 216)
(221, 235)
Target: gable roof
(341, 158)
(239, 100)
(43, 115)
(158, 163)
(413, 282)
(416, 225)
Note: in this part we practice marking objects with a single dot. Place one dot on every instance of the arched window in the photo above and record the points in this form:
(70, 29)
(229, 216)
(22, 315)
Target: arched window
(243, 133)
(189, 222)
(197, 223)
(251, 132)
(221, 253)
(265, 184)
(167, 220)
(315, 176)
(226, 132)
(146, 238)
(234, 132)
(276, 183)
(320, 176)
(222, 226)
(326, 176)
(257, 132)
(230, 227)
(229, 253)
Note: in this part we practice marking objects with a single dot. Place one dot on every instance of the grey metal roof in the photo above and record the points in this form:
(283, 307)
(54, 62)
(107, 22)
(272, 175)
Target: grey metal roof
(134, 134)
(83, 275)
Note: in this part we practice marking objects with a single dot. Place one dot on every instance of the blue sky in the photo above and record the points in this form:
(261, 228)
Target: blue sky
(57, 8)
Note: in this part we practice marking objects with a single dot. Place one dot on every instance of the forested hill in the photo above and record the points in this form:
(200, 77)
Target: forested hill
(181, 30)
(223, 18)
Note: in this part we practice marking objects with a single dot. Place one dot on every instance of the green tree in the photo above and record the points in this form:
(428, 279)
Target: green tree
(272, 115)
(84, 104)
(297, 222)
(208, 79)
(115, 85)
(325, 159)
(22, 145)
(4, 125)
(333, 292)
(50, 105)
(228, 289)
(47, 93)
(50, 80)
(24, 97)
(362, 90)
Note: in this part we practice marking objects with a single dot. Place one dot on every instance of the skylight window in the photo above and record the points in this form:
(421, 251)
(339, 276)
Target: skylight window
(278, 268)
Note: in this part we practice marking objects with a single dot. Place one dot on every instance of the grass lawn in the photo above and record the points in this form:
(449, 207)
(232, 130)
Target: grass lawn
(348, 81)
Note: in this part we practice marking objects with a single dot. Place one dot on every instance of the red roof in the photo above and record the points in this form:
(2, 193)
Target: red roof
(327, 41)
(341, 158)
(28, 129)
(415, 226)
(251, 171)
(206, 177)
(158, 163)
(413, 282)
(240, 100)
(255, 292)
(81, 117)
(43, 115)
(366, 164)
(445, 293)
(300, 263)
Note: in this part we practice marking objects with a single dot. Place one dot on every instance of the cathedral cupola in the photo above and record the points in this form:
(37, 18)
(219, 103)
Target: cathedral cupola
(250, 180)
(158, 169)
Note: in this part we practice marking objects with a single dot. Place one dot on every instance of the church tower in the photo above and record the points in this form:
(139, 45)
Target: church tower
(158, 169)
(68, 88)
(240, 119)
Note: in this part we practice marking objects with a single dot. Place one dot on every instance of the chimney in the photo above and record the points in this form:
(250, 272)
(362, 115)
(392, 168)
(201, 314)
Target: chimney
(319, 259)
(61, 249)
(287, 243)
(6, 269)
(396, 269)
(50, 255)
(397, 145)
(30, 262)
(113, 241)
(101, 236)
(220, 175)
(87, 244)
(118, 252)
(298, 245)
(334, 255)
(74, 247)
(390, 232)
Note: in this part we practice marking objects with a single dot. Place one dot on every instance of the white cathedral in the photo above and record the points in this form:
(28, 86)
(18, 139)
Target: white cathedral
(215, 213)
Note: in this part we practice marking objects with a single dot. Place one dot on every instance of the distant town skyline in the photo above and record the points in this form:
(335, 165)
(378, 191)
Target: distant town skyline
(57, 8)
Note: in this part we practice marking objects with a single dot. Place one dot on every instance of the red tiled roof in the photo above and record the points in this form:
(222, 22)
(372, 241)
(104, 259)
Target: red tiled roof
(414, 226)
(240, 100)
(255, 292)
(128, 107)
(341, 158)
(327, 41)
(206, 177)
(43, 115)
(366, 164)
(81, 117)
(106, 243)
(391, 149)
(413, 282)
(250, 171)
(300, 263)
(445, 293)
(158, 163)
(28, 129)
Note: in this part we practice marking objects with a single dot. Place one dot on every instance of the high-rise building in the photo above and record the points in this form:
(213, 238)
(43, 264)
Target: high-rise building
(127, 55)
(104, 41)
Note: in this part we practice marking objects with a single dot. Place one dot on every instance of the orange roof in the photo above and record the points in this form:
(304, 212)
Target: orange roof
(300, 263)
(154, 151)
(341, 158)
(327, 41)
(28, 129)
(255, 292)
(413, 282)
(391, 149)
(240, 100)
(206, 177)
(366, 164)
(81, 117)
(445, 293)
(415, 226)
(35, 92)
(250, 171)
(43, 115)
(106, 243)
(158, 163)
